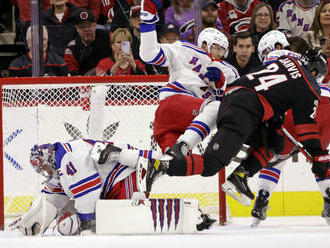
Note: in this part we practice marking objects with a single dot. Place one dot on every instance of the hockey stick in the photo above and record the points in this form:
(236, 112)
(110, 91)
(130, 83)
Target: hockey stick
(297, 144)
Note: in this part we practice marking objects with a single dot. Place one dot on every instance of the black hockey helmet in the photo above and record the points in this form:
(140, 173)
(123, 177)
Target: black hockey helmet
(316, 62)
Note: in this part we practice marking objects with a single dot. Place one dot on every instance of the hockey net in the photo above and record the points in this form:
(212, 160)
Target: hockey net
(47, 110)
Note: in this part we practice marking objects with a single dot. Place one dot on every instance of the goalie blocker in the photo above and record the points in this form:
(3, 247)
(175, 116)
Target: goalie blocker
(149, 216)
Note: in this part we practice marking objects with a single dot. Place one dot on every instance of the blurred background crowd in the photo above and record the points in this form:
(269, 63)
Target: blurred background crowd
(101, 37)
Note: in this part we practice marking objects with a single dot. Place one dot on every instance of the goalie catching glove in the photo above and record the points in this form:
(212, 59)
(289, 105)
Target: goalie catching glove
(37, 219)
(148, 12)
(321, 165)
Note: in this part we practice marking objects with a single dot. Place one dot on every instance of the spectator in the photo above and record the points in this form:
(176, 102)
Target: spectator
(244, 58)
(53, 65)
(209, 14)
(262, 21)
(60, 21)
(90, 46)
(235, 15)
(134, 29)
(121, 62)
(294, 18)
(116, 13)
(93, 6)
(181, 13)
(319, 34)
(24, 19)
(170, 33)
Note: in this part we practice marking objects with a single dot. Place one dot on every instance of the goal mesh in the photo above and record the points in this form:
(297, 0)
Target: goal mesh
(47, 110)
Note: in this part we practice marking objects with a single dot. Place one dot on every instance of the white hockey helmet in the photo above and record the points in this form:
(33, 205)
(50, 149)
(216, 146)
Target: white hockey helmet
(212, 36)
(269, 41)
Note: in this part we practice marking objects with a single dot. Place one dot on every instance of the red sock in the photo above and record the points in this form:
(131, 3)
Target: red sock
(195, 165)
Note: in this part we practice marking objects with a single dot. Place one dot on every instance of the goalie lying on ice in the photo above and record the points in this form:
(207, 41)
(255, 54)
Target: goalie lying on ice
(79, 173)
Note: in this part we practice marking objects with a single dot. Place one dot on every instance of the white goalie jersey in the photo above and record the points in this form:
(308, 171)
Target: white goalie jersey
(187, 65)
(81, 178)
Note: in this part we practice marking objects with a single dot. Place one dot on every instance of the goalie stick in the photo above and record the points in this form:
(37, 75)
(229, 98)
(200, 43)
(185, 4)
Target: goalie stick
(297, 144)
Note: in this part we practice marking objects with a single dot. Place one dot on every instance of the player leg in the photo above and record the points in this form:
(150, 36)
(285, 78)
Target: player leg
(173, 115)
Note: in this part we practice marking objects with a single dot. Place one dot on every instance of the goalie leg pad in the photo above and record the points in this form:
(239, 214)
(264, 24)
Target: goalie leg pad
(68, 226)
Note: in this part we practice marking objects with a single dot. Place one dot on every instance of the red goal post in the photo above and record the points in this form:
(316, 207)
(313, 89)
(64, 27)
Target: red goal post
(49, 109)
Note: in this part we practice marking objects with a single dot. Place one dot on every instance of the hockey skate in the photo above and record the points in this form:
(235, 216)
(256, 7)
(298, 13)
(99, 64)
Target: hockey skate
(237, 186)
(178, 150)
(156, 168)
(326, 207)
(110, 153)
(259, 211)
(204, 221)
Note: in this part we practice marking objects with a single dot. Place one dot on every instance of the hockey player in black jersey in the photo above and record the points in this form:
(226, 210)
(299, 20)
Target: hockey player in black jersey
(250, 113)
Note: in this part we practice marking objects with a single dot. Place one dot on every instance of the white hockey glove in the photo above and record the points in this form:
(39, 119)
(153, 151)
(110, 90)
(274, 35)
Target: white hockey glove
(96, 151)
(40, 215)
(149, 11)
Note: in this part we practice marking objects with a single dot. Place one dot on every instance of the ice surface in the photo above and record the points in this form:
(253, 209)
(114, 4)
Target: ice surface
(279, 232)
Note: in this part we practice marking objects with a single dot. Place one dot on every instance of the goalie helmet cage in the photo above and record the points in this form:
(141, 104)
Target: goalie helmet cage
(50, 109)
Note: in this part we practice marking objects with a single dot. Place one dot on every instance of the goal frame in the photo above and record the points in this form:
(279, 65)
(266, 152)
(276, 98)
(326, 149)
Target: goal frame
(81, 80)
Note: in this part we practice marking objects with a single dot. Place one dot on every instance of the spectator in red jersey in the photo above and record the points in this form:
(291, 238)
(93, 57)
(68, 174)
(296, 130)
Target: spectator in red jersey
(262, 21)
(24, 19)
(53, 64)
(84, 52)
(235, 15)
(92, 5)
(121, 62)
(117, 12)
(60, 22)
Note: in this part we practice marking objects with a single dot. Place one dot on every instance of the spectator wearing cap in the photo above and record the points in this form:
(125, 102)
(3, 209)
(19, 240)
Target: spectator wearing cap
(53, 64)
(121, 61)
(243, 58)
(134, 29)
(182, 14)
(60, 22)
(170, 33)
(88, 48)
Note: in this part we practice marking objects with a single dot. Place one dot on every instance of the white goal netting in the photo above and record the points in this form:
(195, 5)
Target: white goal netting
(47, 113)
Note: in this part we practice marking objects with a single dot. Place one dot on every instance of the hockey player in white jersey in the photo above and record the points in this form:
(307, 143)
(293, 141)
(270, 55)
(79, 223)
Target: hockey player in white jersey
(73, 171)
(79, 173)
(187, 103)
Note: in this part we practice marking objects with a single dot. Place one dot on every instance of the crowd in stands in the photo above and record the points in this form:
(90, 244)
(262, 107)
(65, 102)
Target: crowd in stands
(94, 37)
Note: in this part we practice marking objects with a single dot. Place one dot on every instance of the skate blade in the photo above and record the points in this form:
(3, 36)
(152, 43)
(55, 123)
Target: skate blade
(327, 220)
(255, 222)
(230, 189)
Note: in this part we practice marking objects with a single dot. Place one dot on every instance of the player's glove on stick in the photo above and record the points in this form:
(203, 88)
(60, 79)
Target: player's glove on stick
(215, 75)
(321, 166)
(148, 12)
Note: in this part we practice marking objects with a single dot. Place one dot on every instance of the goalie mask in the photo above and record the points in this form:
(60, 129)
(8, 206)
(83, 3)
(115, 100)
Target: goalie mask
(42, 159)
(316, 63)
(212, 36)
(269, 41)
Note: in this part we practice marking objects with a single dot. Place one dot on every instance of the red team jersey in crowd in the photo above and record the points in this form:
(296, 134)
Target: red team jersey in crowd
(232, 18)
